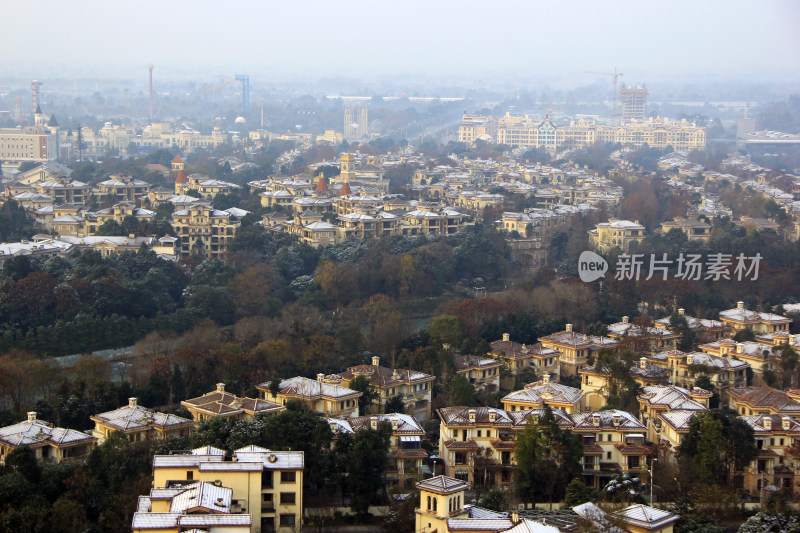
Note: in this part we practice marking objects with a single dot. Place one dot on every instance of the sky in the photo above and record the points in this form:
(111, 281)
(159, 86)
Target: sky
(739, 38)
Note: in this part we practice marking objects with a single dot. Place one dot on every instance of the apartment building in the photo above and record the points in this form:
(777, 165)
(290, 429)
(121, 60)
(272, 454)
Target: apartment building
(50, 444)
(205, 230)
(266, 485)
(221, 403)
(325, 398)
(139, 423)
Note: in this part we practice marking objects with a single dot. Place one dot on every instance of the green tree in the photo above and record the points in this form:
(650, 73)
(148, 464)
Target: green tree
(548, 458)
(23, 460)
(493, 500)
(445, 329)
(679, 324)
(462, 392)
(369, 394)
(576, 493)
(718, 444)
(111, 228)
(366, 465)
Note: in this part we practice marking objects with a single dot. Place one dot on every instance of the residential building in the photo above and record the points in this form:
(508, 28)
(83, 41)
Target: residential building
(740, 318)
(613, 441)
(725, 373)
(656, 400)
(227, 405)
(637, 518)
(540, 393)
(207, 187)
(622, 234)
(597, 381)
(414, 388)
(121, 189)
(641, 338)
(633, 100)
(201, 506)
(778, 443)
(759, 356)
(321, 397)
(19, 145)
(695, 230)
(749, 401)
(205, 230)
(519, 357)
(50, 444)
(139, 423)
(267, 485)
(440, 498)
(482, 372)
(118, 213)
(407, 462)
(356, 123)
(575, 348)
(705, 329)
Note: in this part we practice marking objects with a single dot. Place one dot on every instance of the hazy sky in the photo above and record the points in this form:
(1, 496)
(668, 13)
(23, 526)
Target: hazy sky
(314, 38)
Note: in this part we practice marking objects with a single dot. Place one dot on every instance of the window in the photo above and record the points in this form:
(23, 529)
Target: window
(287, 520)
(608, 455)
(479, 433)
(288, 477)
(288, 498)
(189, 475)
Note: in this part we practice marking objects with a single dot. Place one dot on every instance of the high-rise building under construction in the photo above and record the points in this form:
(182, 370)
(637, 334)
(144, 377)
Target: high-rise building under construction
(356, 123)
(634, 103)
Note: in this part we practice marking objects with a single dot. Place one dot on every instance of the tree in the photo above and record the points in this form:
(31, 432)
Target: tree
(445, 329)
(718, 444)
(369, 394)
(111, 228)
(771, 523)
(575, 494)
(679, 324)
(395, 405)
(23, 461)
(366, 465)
(548, 458)
(494, 500)
(462, 392)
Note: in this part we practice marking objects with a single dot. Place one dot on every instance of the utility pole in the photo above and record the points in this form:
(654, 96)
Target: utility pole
(652, 467)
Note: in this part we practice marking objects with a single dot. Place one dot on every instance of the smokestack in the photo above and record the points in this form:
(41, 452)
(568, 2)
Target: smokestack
(150, 68)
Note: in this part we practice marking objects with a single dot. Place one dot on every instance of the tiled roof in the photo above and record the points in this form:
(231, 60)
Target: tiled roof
(442, 484)
(312, 389)
(679, 420)
(573, 339)
(136, 417)
(759, 424)
(38, 432)
(626, 421)
(405, 423)
(542, 392)
(270, 459)
(385, 377)
(761, 397)
(458, 416)
(478, 524)
(464, 362)
(672, 397)
(224, 403)
(646, 516)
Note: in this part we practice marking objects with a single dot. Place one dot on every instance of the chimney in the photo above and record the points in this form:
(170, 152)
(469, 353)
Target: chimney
(514, 518)
(506, 337)
(376, 360)
(625, 320)
(739, 347)
(767, 423)
(596, 421)
(643, 362)
(492, 416)
(133, 402)
(569, 328)
(681, 311)
(31, 416)
(786, 423)
(220, 387)
(472, 415)
(373, 423)
(739, 305)
(320, 376)
(546, 378)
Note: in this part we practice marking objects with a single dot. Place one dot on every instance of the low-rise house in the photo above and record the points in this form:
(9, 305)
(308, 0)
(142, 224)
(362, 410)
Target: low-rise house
(575, 348)
(740, 318)
(227, 405)
(201, 506)
(50, 444)
(759, 356)
(655, 400)
(139, 423)
(695, 230)
(268, 485)
(622, 234)
(544, 392)
(414, 388)
(749, 401)
(725, 373)
(121, 189)
(777, 441)
(596, 381)
(520, 357)
(321, 397)
(482, 372)
(408, 457)
(440, 498)
(205, 230)
(705, 329)
(613, 441)
(641, 338)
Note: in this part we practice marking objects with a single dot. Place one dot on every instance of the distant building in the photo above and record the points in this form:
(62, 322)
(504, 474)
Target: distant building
(356, 123)
(323, 398)
(50, 444)
(622, 234)
(541, 393)
(139, 423)
(634, 103)
(227, 405)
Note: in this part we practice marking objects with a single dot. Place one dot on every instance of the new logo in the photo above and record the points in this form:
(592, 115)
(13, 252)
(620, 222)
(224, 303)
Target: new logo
(591, 266)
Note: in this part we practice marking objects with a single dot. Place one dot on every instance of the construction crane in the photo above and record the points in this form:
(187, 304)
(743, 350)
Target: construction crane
(616, 75)
(245, 79)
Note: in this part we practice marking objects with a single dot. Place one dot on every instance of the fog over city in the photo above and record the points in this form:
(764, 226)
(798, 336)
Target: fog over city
(474, 40)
